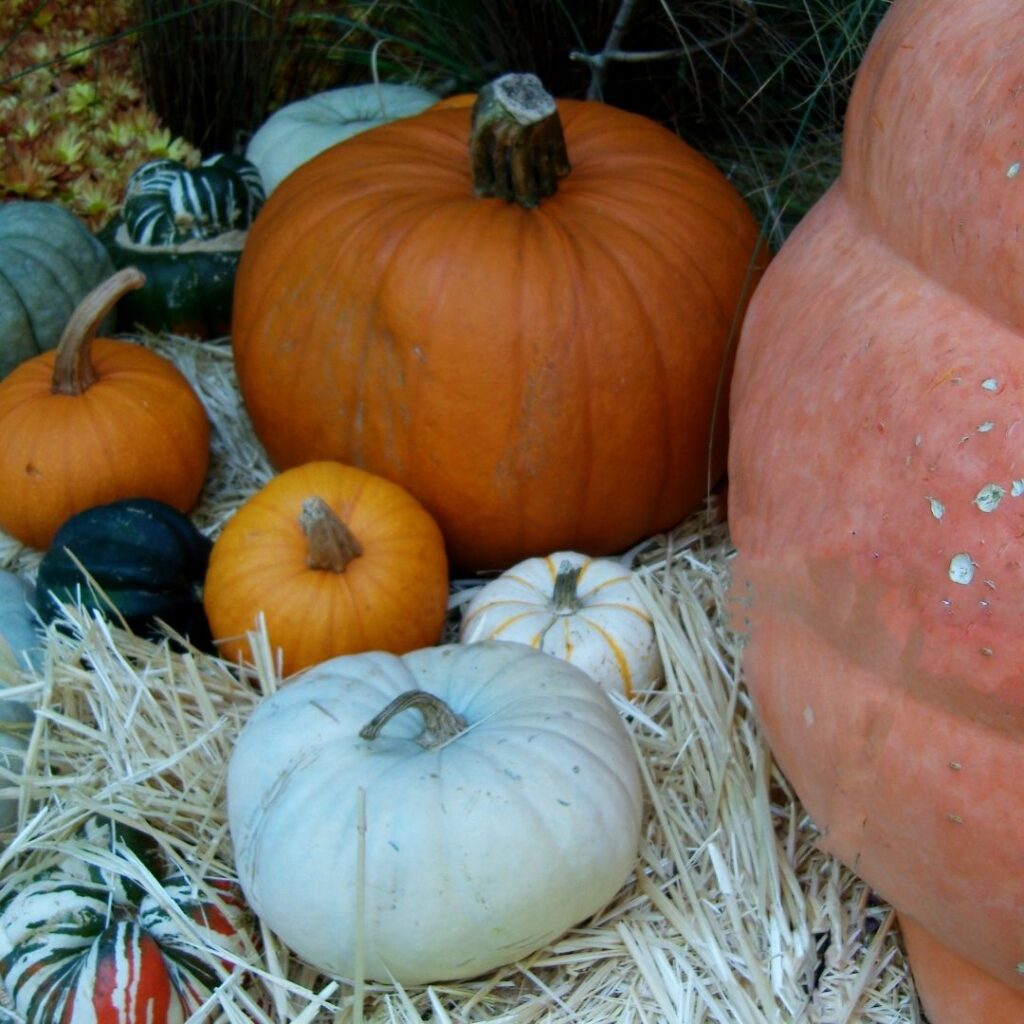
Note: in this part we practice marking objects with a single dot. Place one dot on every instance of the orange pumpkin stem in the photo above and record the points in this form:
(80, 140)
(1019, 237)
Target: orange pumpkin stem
(516, 145)
(330, 544)
(440, 723)
(73, 371)
(565, 596)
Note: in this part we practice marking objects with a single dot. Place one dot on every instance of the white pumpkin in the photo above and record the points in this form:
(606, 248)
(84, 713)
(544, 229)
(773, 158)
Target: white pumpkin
(299, 131)
(588, 611)
(489, 831)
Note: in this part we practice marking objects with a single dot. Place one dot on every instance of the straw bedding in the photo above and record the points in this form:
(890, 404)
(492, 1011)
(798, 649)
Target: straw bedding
(732, 916)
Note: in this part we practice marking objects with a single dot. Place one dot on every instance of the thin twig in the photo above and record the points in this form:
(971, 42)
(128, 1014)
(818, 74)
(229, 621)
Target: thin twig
(612, 48)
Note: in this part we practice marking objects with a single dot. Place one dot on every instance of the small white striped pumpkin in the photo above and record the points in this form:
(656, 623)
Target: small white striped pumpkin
(85, 945)
(587, 611)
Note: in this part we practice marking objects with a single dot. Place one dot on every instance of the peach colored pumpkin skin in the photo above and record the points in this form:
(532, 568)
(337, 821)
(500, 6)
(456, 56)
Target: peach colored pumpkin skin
(879, 392)
(540, 379)
(392, 597)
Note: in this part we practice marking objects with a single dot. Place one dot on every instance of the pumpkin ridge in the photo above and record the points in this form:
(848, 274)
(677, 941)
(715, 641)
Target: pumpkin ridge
(613, 646)
(28, 248)
(129, 387)
(13, 294)
(623, 268)
(585, 753)
(952, 289)
(99, 413)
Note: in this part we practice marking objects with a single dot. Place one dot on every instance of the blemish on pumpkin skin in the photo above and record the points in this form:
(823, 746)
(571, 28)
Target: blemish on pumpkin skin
(961, 568)
(33, 471)
(989, 497)
(948, 375)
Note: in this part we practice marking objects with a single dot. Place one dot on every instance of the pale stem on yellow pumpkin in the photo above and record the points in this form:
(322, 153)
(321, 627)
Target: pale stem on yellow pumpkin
(330, 544)
(516, 145)
(73, 371)
(565, 597)
(440, 723)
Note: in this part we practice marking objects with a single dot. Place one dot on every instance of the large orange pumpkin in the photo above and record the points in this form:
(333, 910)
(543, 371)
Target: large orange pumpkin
(96, 420)
(542, 371)
(877, 499)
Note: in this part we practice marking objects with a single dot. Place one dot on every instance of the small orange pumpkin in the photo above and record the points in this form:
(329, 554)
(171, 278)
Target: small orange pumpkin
(338, 560)
(94, 421)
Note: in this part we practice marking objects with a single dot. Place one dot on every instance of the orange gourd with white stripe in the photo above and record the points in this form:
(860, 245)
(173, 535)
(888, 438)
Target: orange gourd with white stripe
(84, 944)
(587, 611)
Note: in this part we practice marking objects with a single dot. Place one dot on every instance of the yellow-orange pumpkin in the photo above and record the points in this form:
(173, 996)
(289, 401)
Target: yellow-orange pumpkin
(93, 421)
(337, 560)
(877, 496)
(543, 373)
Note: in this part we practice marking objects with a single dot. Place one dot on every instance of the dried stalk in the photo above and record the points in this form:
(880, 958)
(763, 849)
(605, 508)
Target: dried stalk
(613, 51)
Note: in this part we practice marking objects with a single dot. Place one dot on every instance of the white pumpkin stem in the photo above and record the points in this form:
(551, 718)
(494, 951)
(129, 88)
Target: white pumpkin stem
(73, 372)
(330, 544)
(565, 596)
(440, 723)
(516, 145)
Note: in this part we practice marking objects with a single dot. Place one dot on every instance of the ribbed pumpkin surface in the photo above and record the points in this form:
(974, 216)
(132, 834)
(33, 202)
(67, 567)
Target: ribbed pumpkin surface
(540, 379)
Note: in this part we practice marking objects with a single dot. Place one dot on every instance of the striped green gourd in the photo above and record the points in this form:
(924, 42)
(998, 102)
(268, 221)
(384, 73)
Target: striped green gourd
(84, 943)
(184, 228)
(168, 204)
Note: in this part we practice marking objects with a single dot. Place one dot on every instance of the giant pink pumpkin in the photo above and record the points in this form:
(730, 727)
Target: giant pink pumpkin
(877, 499)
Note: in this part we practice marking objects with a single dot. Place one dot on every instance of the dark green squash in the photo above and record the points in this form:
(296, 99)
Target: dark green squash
(184, 229)
(49, 261)
(148, 559)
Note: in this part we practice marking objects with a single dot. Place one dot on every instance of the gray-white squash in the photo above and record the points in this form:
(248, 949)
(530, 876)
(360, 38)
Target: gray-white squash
(19, 647)
(49, 261)
(490, 830)
(19, 629)
(299, 131)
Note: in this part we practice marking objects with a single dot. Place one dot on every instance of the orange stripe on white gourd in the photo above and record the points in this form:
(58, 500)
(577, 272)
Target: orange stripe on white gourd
(587, 611)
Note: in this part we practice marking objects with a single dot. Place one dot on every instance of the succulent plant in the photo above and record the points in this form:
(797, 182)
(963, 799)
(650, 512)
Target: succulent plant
(73, 115)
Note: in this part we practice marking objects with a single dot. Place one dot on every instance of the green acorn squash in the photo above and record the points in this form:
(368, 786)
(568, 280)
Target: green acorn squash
(49, 262)
(184, 229)
(147, 559)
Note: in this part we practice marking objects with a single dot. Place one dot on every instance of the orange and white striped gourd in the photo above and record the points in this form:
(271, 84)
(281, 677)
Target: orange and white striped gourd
(587, 611)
